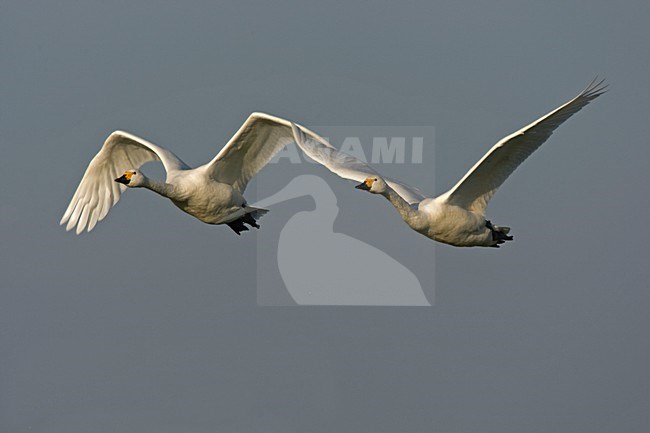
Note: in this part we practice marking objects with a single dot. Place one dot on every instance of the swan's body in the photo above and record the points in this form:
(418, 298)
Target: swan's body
(212, 193)
(456, 217)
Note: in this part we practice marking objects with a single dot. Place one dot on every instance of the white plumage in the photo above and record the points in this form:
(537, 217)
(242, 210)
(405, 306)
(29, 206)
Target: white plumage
(456, 217)
(212, 192)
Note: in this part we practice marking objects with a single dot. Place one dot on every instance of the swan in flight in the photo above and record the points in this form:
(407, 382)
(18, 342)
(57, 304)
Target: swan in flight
(211, 193)
(456, 217)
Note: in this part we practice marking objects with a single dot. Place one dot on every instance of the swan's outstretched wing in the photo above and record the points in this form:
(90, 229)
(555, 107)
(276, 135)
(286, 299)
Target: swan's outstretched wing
(258, 140)
(98, 191)
(478, 186)
(348, 166)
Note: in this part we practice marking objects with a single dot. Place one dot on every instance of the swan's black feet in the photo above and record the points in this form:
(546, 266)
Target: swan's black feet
(499, 234)
(248, 219)
(238, 225)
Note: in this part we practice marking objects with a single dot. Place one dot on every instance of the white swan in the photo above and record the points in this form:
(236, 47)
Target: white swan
(456, 217)
(212, 192)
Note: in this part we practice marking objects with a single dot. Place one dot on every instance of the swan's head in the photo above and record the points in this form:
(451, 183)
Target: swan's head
(373, 184)
(131, 178)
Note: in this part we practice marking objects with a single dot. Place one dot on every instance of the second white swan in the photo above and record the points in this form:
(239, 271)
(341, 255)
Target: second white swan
(456, 217)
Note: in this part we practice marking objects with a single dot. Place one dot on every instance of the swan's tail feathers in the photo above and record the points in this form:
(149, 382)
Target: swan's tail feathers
(499, 234)
(250, 217)
(255, 212)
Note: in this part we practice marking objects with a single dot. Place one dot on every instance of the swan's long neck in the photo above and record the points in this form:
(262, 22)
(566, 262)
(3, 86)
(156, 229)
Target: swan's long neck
(409, 214)
(162, 188)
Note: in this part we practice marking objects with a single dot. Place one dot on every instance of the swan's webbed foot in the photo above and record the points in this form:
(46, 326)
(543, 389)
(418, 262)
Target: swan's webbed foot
(499, 234)
(238, 225)
(248, 219)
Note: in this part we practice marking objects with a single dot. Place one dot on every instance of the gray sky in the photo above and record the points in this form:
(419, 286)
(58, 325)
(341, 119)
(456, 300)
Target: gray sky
(150, 323)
